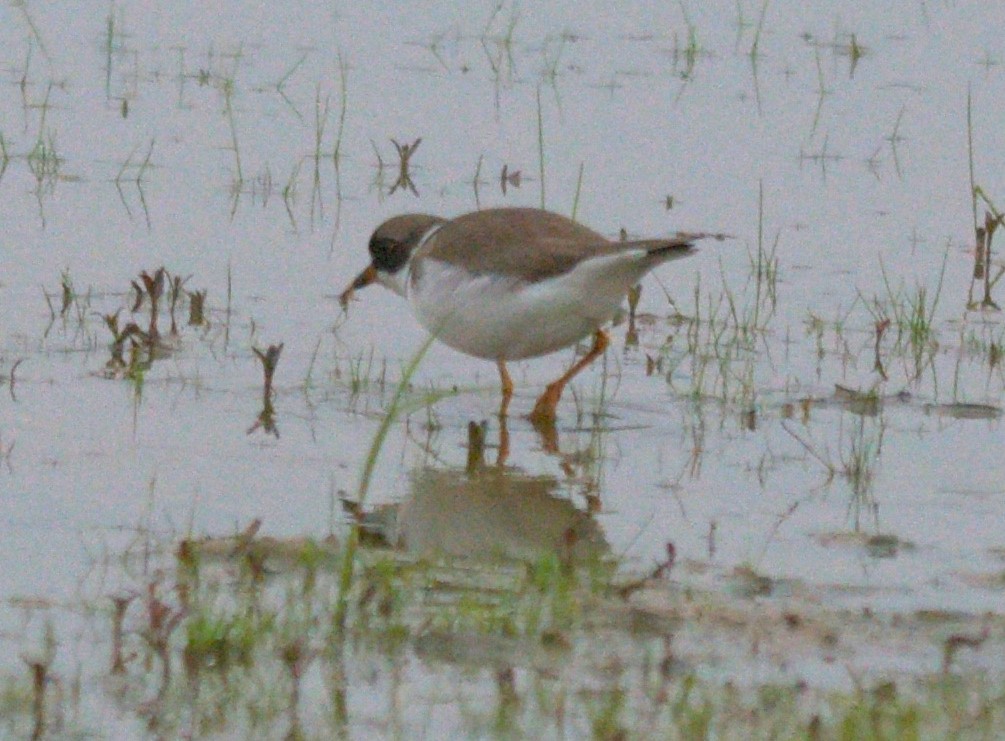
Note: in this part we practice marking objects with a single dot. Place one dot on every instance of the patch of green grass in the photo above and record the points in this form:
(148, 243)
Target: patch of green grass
(221, 639)
(363, 374)
(717, 355)
(44, 160)
(529, 648)
(911, 314)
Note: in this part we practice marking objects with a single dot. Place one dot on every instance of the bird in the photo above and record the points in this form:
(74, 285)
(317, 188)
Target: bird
(508, 284)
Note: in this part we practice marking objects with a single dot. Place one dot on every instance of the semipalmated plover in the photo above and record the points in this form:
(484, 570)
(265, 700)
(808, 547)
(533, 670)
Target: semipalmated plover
(512, 283)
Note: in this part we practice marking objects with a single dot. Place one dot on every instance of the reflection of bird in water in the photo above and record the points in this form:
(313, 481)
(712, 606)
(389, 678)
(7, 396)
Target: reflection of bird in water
(495, 513)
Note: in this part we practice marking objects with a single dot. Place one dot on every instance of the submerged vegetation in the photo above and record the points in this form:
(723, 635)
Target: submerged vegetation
(232, 635)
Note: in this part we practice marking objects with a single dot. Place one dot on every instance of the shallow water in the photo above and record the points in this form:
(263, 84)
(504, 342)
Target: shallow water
(839, 149)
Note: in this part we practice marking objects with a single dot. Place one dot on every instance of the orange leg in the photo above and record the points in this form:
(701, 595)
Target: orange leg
(503, 455)
(507, 387)
(544, 410)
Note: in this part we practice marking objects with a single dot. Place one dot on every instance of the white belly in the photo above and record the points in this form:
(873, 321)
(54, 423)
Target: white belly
(503, 319)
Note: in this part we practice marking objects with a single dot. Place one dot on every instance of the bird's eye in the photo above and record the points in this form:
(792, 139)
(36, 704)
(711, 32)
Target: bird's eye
(388, 255)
